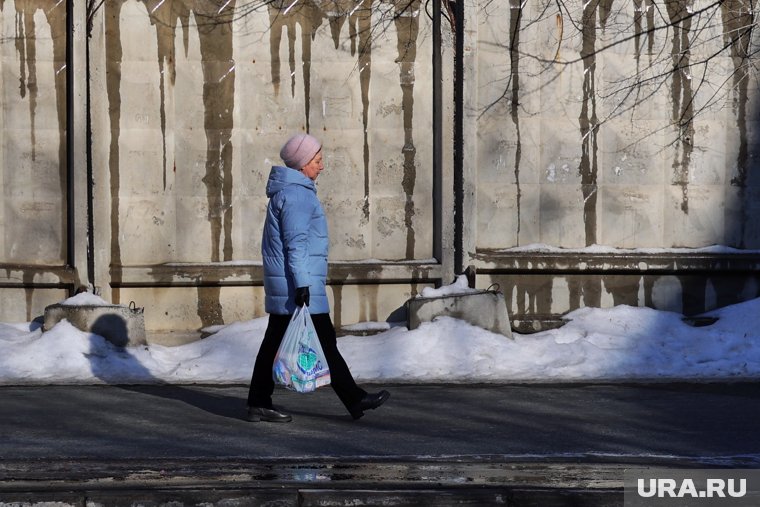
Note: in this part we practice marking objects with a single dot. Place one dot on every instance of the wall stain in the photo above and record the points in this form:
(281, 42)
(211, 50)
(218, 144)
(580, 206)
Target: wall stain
(164, 16)
(738, 22)
(360, 23)
(218, 96)
(643, 9)
(525, 296)
(368, 306)
(215, 34)
(584, 291)
(28, 278)
(337, 290)
(516, 12)
(407, 29)
(209, 307)
(530, 298)
(26, 46)
(623, 289)
(682, 96)
(284, 15)
(114, 56)
(588, 120)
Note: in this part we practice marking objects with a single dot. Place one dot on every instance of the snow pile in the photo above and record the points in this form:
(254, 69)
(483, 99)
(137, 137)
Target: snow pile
(621, 343)
(459, 286)
(86, 299)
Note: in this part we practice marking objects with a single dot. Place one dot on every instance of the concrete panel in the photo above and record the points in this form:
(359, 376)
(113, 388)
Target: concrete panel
(498, 144)
(632, 153)
(343, 166)
(389, 231)
(631, 91)
(551, 41)
(497, 216)
(137, 33)
(336, 100)
(351, 304)
(249, 215)
(186, 162)
(741, 167)
(19, 112)
(26, 305)
(505, 222)
(189, 308)
(560, 154)
(148, 232)
(141, 103)
(348, 234)
(694, 216)
(507, 199)
(193, 308)
(33, 203)
(192, 231)
(141, 152)
(34, 232)
(631, 216)
(561, 221)
(387, 175)
(710, 161)
(711, 96)
(561, 96)
(186, 94)
(666, 294)
(32, 164)
(742, 210)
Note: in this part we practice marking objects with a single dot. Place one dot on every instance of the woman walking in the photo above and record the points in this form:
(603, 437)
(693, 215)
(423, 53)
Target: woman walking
(294, 250)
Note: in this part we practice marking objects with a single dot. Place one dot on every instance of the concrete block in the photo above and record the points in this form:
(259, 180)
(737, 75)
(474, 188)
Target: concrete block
(486, 309)
(123, 326)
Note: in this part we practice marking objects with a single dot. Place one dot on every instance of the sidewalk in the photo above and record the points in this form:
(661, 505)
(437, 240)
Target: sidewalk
(497, 439)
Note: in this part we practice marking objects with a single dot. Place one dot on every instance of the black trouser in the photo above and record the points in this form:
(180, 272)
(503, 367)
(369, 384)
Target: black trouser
(341, 380)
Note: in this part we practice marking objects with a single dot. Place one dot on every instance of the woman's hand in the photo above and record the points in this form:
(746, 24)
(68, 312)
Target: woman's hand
(302, 296)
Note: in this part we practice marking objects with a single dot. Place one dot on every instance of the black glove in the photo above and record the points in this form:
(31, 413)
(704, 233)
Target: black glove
(302, 296)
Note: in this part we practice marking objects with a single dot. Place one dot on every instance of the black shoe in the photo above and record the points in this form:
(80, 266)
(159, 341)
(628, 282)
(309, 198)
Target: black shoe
(256, 414)
(369, 402)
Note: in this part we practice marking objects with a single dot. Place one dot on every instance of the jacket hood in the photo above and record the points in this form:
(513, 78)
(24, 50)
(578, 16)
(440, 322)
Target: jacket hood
(281, 177)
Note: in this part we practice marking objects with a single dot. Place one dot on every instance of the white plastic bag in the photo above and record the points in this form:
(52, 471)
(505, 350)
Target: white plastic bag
(300, 364)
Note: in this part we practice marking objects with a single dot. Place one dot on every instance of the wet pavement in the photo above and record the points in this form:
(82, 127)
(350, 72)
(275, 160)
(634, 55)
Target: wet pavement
(464, 441)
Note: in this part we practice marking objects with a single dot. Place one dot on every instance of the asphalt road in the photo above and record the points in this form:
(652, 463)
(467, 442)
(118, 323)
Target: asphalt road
(714, 424)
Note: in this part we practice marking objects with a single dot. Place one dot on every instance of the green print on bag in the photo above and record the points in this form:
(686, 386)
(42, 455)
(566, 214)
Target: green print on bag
(308, 360)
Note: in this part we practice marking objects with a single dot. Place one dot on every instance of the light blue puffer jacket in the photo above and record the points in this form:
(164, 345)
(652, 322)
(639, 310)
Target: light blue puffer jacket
(294, 244)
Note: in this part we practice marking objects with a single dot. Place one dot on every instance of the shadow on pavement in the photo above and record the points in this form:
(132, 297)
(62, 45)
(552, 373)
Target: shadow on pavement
(213, 403)
(111, 359)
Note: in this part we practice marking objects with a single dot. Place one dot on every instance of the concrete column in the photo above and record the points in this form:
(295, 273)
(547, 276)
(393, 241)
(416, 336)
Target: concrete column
(99, 117)
(470, 129)
(78, 111)
(447, 170)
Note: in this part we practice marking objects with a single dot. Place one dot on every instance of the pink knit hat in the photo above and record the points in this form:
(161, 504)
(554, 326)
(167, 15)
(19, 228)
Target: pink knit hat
(299, 150)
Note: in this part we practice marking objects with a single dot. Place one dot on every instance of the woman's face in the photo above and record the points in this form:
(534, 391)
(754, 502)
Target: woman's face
(314, 167)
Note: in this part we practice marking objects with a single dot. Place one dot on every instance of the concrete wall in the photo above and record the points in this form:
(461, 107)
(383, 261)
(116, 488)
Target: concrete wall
(198, 97)
(577, 133)
(584, 135)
